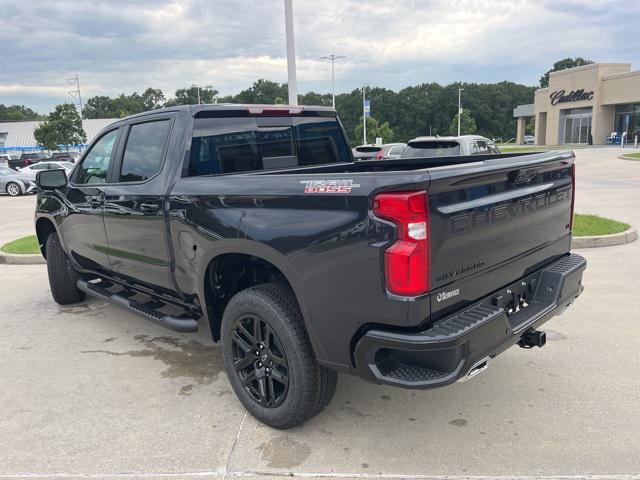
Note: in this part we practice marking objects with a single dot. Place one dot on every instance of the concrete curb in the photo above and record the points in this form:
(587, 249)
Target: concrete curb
(12, 259)
(621, 238)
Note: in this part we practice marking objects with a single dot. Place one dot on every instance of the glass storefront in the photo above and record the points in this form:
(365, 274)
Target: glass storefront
(627, 119)
(575, 125)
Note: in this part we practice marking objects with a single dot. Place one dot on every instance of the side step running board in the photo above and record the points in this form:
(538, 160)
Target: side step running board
(177, 324)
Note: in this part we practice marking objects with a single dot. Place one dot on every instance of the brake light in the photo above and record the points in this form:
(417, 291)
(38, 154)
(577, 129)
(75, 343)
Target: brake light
(275, 111)
(406, 262)
(380, 155)
(573, 194)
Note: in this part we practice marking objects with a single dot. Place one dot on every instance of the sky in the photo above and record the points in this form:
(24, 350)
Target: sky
(122, 46)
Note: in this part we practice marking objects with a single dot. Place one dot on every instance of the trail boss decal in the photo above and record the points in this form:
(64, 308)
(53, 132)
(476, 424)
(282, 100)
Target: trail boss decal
(329, 186)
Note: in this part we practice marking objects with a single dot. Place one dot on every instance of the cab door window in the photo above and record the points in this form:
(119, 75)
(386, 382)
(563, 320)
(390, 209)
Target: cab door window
(144, 151)
(96, 163)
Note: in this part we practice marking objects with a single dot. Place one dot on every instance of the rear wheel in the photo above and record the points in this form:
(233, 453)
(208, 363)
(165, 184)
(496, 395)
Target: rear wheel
(63, 279)
(269, 359)
(13, 189)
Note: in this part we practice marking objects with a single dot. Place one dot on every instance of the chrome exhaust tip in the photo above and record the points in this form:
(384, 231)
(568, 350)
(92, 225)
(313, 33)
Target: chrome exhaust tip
(477, 368)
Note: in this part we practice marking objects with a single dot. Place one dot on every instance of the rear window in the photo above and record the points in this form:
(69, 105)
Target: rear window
(431, 149)
(368, 149)
(246, 144)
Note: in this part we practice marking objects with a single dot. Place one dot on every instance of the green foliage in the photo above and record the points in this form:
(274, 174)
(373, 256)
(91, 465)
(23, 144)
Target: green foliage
(410, 112)
(17, 113)
(530, 127)
(563, 65)
(374, 129)
(63, 127)
(189, 96)
(467, 124)
(263, 91)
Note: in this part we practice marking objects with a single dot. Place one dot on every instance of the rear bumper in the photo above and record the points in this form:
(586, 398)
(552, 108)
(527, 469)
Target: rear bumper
(450, 349)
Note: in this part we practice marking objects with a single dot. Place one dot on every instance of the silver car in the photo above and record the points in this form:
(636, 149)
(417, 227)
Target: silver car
(11, 183)
(428, 147)
(30, 172)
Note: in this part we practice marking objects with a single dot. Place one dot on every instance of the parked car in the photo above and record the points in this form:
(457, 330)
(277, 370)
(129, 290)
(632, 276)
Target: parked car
(529, 140)
(11, 183)
(29, 173)
(4, 158)
(27, 159)
(72, 157)
(378, 152)
(303, 262)
(424, 147)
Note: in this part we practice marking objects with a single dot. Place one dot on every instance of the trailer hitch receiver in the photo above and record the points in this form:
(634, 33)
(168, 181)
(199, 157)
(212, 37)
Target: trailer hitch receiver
(533, 338)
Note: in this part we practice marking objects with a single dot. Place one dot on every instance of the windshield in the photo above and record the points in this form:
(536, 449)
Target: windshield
(432, 148)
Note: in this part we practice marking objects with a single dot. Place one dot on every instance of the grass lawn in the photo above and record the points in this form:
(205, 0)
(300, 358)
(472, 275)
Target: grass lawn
(632, 156)
(518, 149)
(22, 245)
(588, 225)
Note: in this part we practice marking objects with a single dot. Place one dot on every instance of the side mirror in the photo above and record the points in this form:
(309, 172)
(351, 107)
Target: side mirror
(51, 179)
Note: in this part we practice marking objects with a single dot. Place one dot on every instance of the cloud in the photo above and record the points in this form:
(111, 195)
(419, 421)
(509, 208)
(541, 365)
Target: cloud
(125, 45)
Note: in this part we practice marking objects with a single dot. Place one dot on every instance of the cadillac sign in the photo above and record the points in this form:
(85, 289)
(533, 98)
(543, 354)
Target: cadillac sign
(572, 96)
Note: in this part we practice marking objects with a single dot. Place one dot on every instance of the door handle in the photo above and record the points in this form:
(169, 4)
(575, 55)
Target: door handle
(95, 202)
(149, 207)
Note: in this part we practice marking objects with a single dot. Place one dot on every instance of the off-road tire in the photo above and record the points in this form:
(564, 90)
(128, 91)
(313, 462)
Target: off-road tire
(13, 189)
(311, 386)
(63, 279)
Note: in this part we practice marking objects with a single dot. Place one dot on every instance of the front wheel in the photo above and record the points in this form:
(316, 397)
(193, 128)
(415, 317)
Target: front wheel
(13, 189)
(269, 360)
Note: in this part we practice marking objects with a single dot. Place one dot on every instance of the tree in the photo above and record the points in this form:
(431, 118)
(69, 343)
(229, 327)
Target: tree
(374, 130)
(264, 92)
(62, 127)
(123, 105)
(467, 124)
(153, 98)
(18, 113)
(563, 65)
(189, 96)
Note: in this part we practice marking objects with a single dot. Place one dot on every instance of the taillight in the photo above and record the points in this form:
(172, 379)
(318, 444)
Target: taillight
(406, 262)
(573, 194)
(380, 155)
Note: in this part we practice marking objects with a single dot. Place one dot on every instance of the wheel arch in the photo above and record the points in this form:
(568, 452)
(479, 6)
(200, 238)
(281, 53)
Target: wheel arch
(44, 227)
(260, 260)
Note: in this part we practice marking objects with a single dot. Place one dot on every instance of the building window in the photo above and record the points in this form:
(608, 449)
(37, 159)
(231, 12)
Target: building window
(627, 119)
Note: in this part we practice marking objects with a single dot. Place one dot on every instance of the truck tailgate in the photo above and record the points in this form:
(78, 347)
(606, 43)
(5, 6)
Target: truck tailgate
(493, 222)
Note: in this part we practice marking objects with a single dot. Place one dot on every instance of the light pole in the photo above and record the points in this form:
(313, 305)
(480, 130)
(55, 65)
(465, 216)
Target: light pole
(460, 90)
(332, 58)
(364, 119)
(291, 53)
(197, 87)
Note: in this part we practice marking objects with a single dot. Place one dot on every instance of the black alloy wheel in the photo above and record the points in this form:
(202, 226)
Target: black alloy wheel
(260, 361)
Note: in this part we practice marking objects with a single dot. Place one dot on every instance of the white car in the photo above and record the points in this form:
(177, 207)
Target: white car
(29, 173)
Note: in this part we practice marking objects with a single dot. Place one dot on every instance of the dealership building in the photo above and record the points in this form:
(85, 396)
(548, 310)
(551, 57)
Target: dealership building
(597, 103)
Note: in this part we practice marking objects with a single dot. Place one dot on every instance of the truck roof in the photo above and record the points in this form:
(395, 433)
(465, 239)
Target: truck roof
(254, 108)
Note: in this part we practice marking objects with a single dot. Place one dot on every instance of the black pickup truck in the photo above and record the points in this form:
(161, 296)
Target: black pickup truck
(254, 223)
